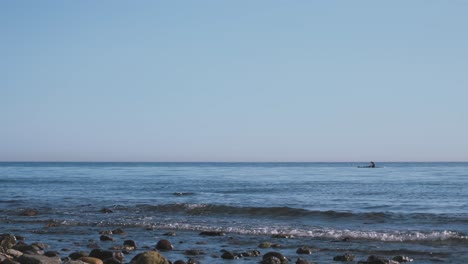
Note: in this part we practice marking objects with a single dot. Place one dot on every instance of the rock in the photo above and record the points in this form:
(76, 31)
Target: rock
(193, 261)
(112, 261)
(302, 261)
(29, 249)
(149, 257)
(10, 261)
(118, 231)
(38, 259)
(29, 212)
(130, 243)
(73, 262)
(402, 259)
(106, 238)
(194, 252)
(212, 233)
(105, 232)
(105, 254)
(170, 234)
(304, 250)
(77, 255)
(282, 236)
(345, 257)
(380, 260)
(14, 253)
(164, 244)
(106, 211)
(269, 258)
(179, 262)
(229, 255)
(91, 260)
(52, 254)
(251, 253)
(7, 241)
(40, 245)
(265, 245)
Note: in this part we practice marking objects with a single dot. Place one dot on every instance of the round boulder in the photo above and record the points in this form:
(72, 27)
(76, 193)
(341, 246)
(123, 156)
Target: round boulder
(164, 244)
(149, 257)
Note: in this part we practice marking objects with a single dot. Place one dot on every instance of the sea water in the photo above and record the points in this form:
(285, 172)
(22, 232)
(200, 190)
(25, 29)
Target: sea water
(414, 209)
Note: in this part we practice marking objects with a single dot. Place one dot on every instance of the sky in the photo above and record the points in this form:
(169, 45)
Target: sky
(236, 81)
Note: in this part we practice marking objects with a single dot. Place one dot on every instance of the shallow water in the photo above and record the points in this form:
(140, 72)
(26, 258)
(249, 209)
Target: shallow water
(414, 209)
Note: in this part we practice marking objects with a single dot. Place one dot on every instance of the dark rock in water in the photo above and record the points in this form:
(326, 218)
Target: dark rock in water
(402, 259)
(346, 239)
(67, 261)
(229, 255)
(118, 231)
(149, 257)
(29, 212)
(77, 255)
(52, 254)
(105, 254)
(29, 249)
(304, 250)
(265, 245)
(38, 259)
(7, 241)
(302, 261)
(105, 232)
(194, 252)
(40, 245)
(282, 236)
(272, 257)
(212, 233)
(91, 260)
(179, 262)
(170, 234)
(251, 253)
(106, 238)
(111, 261)
(379, 260)
(93, 244)
(164, 244)
(130, 243)
(345, 257)
(106, 211)
(193, 261)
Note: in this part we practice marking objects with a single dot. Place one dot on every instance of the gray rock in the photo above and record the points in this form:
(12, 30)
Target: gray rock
(229, 255)
(346, 257)
(106, 238)
(105, 254)
(164, 244)
(38, 259)
(14, 253)
(7, 241)
(212, 233)
(270, 258)
(304, 250)
(402, 259)
(29, 212)
(149, 257)
(302, 261)
(130, 243)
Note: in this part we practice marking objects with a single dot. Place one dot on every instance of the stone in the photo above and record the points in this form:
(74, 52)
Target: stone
(38, 259)
(10, 261)
(7, 241)
(106, 211)
(105, 254)
(164, 244)
(170, 234)
(402, 259)
(380, 260)
(118, 231)
(194, 252)
(282, 236)
(14, 253)
(268, 258)
(265, 245)
(52, 254)
(179, 262)
(304, 250)
(77, 255)
(302, 261)
(229, 255)
(212, 233)
(149, 257)
(74, 262)
(193, 261)
(106, 238)
(91, 260)
(130, 243)
(29, 212)
(251, 253)
(346, 257)
(112, 261)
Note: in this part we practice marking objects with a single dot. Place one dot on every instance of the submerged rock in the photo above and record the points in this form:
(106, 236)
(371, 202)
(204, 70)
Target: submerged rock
(164, 244)
(149, 257)
(91, 260)
(106, 238)
(402, 259)
(345, 257)
(38, 259)
(212, 233)
(274, 257)
(304, 250)
(29, 212)
(106, 254)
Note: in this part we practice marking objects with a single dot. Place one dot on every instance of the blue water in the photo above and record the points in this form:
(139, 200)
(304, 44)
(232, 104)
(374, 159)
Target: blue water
(416, 209)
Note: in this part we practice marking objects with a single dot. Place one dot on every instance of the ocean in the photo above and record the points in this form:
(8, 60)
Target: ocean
(419, 210)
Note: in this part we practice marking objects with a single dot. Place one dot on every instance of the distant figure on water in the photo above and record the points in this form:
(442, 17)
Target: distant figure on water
(372, 164)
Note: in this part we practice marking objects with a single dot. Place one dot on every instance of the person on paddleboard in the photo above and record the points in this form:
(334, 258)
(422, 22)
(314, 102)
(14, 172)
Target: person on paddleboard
(372, 164)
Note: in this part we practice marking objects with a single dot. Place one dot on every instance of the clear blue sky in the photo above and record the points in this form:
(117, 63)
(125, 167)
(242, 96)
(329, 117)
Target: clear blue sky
(234, 80)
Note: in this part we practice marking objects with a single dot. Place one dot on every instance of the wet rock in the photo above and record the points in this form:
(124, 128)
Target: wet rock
(302, 261)
(274, 257)
(73, 262)
(118, 231)
(402, 259)
(38, 259)
(7, 241)
(194, 252)
(3, 257)
(106, 211)
(91, 260)
(29, 249)
(378, 260)
(229, 255)
(40, 245)
(251, 253)
(10, 261)
(345, 257)
(170, 234)
(265, 245)
(111, 261)
(149, 257)
(29, 212)
(77, 255)
(164, 244)
(93, 244)
(52, 254)
(179, 262)
(14, 253)
(105, 254)
(106, 232)
(282, 236)
(106, 238)
(304, 250)
(193, 261)
(130, 243)
(212, 233)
